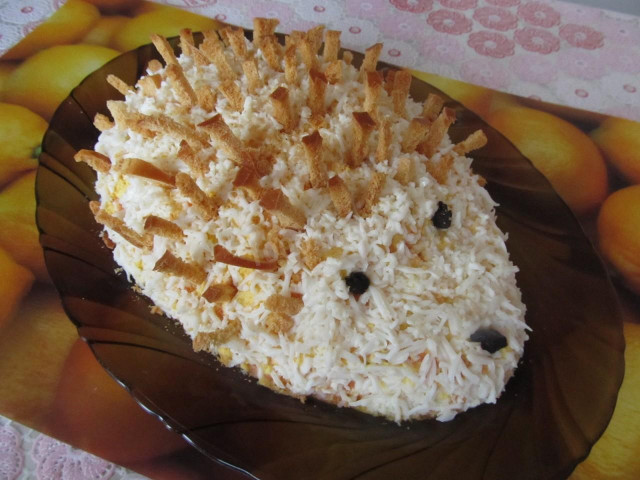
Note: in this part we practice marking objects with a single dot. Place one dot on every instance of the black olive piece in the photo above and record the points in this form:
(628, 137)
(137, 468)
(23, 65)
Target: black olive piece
(358, 282)
(442, 218)
(490, 340)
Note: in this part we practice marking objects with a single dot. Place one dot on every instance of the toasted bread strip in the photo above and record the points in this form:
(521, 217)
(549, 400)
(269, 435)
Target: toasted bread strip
(291, 64)
(283, 304)
(372, 193)
(150, 84)
(250, 69)
(313, 153)
(118, 226)
(275, 201)
(271, 52)
(400, 92)
(389, 76)
(221, 133)
(110, 244)
(141, 168)
(206, 98)
(363, 125)
(237, 41)
(414, 134)
(333, 72)
(154, 66)
(317, 87)
(128, 120)
(309, 57)
(212, 48)
(347, 57)
(340, 196)
(220, 292)
(248, 178)
(282, 109)
(164, 49)
(204, 204)
(97, 161)
(162, 123)
(404, 174)
(173, 265)
(263, 27)
(197, 165)
(119, 84)
(181, 86)
(432, 106)
(372, 89)
(331, 45)
(102, 122)
(164, 228)
(384, 141)
(232, 93)
(222, 255)
(311, 253)
(371, 56)
(204, 340)
(314, 35)
(437, 132)
(473, 142)
(186, 39)
(194, 52)
(440, 170)
(277, 323)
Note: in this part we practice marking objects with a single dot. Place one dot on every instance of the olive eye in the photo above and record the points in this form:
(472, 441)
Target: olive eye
(358, 282)
(442, 218)
(490, 340)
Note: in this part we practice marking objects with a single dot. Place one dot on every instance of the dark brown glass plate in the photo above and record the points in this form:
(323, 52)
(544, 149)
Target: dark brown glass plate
(553, 410)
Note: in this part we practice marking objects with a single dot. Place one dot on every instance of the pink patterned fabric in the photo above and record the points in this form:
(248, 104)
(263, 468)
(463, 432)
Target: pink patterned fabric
(449, 21)
(58, 461)
(459, 4)
(539, 14)
(582, 36)
(491, 44)
(413, 6)
(537, 40)
(496, 18)
(11, 455)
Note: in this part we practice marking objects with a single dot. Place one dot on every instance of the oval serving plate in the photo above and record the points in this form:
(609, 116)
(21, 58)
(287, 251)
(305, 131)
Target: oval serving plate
(553, 410)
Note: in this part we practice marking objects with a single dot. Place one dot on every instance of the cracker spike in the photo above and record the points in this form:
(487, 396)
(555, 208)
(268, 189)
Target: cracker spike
(311, 253)
(221, 133)
(250, 69)
(372, 89)
(384, 141)
(186, 38)
(212, 48)
(317, 87)
(372, 193)
(291, 64)
(314, 35)
(440, 170)
(233, 94)
(263, 27)
(309, 57)
(237, 41)
(333, 72)
(192, 160)
(404, 173)
(371, 56)
(150, 84)
(347, 57)
(159, 226)
(363, 125)
(206, 206)
(331, 45)
(97, 161)
(102, 122)
(289, 216)
(181, 86)
(142, 168)
(271, 52)
(118, 226)
(282, 108)
(474, 141)
(400, 91)
(220, 292)
(414, 134)
(194, 52)
(283, 304)
(313, 152)
(437, 132)
(119, 84)
(173, 265)
(206, 97)
(432, 106)
(154, 66)
(164, 49)
(340, 196)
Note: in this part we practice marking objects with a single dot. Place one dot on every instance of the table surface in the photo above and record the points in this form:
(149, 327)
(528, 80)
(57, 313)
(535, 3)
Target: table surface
(582, 57)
